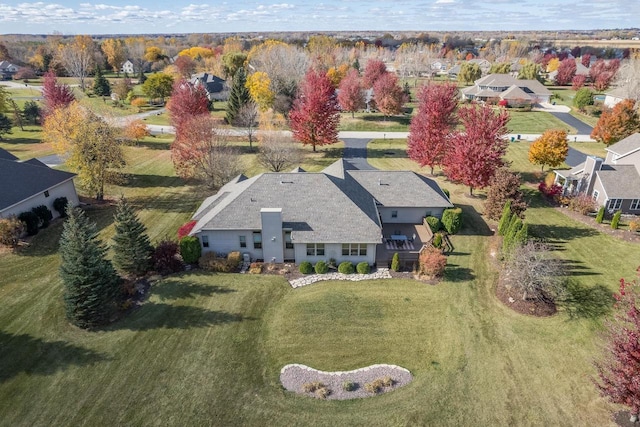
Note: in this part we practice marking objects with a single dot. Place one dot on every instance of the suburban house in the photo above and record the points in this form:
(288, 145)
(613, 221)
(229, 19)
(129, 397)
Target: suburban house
(516, 92)
(128, 68)
(7, 70)
(613, 182)
(341, 213)
(484, 65)
(216, 87)
(614, 96)
(25, 185)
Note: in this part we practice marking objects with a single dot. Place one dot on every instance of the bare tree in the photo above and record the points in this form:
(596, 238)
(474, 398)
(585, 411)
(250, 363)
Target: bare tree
(628, 79)
(78, 57)
(285, 65)
(278, 151)
(532, 270)
(247, 118)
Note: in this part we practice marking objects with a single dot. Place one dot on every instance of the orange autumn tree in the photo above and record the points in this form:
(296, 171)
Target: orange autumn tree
(618, 123)
(136, 130)
(550, 149)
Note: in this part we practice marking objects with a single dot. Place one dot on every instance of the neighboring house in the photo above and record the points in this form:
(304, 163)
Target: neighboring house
(341, 213)
(439, 66)
(614, 96)
(504, 86)
(581, 70)
(7, 70)
(128, 68)
(25, 185)
(613, 182)
(484, 65)
(216, 87)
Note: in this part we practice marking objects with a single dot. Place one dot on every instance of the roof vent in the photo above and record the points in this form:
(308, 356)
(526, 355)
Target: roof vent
(286, 182)
(253, 200)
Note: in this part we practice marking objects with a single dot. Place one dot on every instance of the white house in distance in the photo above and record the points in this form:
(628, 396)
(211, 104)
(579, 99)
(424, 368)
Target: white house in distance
(127, 67)
(25, 185)
(341, 213)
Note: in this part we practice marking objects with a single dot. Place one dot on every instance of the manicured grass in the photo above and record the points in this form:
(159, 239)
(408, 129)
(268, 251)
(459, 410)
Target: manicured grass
(534, 122)
(159, 119)
(374, 122)
(26, 143)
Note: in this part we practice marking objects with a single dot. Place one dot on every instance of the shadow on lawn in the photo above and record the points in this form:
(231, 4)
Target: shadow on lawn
(581, 301)
(34, 356)
(554, 234)
(455, 273)
(181, 203)
(176, 289)
(575, 268)
(150, 181)
(158, 315)
(472, 222)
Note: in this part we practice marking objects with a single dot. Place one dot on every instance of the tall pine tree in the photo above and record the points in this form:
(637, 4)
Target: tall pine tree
(132, 248)
(101, 84)
(239, 95)
(91, 284)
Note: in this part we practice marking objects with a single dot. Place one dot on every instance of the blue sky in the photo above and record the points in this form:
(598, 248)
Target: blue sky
(187, 16)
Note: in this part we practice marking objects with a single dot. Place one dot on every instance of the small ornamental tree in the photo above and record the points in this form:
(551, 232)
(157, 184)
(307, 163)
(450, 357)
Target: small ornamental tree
(619, 368)
(315, 115)
(531, 270)
(136, 130)
(584, 97)
(550, 149)
(432, 262)
(503, 187)
(578, 82)
(616, 124)
(165, 258)
(187, 102)
(350, 94)
(395, 262)
(55, 95)
(132, 248)
(91, 285)
(615, 220)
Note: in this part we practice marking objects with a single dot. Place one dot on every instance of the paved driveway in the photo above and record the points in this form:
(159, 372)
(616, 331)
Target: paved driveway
(355, 152)
(581, 127)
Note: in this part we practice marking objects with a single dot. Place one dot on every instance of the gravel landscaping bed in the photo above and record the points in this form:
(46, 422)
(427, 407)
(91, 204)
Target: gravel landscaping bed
(293, 377)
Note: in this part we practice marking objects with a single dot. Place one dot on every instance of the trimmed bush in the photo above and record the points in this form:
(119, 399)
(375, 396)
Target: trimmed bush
(255, 268)
(346, 267)
(615, 220)
(434, 223)
(395, 262)
(321, 267)
(44, 215)
(165, 258)
(60, 205)
(600, 215)
(437, 240)
(312, 386)
(10, 231)
(349, 386)
(375, 386)
(363, 268)
(432, 262)
(452, 220)
(583, 204)
(387, 381)
(634, 225)
(306, 267)
(234, 259)
(190, 249)
(505, 218)
(210, 262)
(323, 392)
(31, 222)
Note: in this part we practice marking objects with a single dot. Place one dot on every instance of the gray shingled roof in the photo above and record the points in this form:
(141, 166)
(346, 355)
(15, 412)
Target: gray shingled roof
(626, 146)
(620, 181)
(5, 155)
(514, 92)
(19, 181)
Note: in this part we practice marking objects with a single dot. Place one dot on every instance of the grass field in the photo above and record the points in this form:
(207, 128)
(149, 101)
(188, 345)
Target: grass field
(206, 349)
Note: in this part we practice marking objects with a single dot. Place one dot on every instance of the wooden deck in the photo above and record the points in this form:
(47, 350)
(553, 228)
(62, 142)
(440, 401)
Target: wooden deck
(408, 251)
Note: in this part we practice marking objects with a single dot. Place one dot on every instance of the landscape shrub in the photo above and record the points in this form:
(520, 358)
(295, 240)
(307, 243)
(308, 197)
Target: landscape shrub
(437, 240)
(634, 225)
(346, 267)
(306, 267)
(323, 392)
(190, 249)
(615, 220)
(234, 259)
(10, 231)
(165, 258)
(333, 263)
(582, 203)
(30, 221)
(312, 386)
(432, 262)
(452, 220)
(363, 268)
(550, 191)
(349, 386)
(44, 215)
(185, 229)
(388, 381)
(395, 262)
(434, 223)
(321, 267)
(60, 205)
(209, 261)
(374, 386)
(255, 268)
(600, 215)
(582, 98)
(446, 192)
(505, 218)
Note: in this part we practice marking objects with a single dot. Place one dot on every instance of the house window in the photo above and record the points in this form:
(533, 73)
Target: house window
(595, 195)
(614, 204)
(205, 241)
(288, 244)
(354, 249)
(257, 240)
(635, 204)
(243, 241)
(46, 193)
(315, 249)
(394, 214)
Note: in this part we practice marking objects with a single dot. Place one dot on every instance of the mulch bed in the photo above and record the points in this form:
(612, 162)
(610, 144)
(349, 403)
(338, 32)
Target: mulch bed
(621, 418)
(514, 301)
(625, 235)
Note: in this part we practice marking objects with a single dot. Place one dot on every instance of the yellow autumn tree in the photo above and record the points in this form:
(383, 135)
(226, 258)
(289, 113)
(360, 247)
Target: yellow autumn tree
(258, 84)
(136, 130)
(553, 65)
(197, 52)
(336, 74)
(153, 54)
(116, 53)
(89, 143)
(550, 149)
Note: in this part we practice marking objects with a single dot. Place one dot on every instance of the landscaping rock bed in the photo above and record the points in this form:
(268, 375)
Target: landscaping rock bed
(294, 377)
(381, 273)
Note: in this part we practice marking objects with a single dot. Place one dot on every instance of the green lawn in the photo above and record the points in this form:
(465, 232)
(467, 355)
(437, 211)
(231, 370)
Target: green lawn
(374, 122)
(535, 122)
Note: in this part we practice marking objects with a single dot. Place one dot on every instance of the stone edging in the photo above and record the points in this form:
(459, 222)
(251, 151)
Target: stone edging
(365, 369)
(380, 273)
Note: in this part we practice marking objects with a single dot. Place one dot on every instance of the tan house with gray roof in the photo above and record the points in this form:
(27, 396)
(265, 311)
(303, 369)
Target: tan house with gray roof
(341, 213)
(516, 92)
(613, 182)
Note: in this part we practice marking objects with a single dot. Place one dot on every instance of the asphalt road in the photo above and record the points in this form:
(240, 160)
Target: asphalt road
(581, 127)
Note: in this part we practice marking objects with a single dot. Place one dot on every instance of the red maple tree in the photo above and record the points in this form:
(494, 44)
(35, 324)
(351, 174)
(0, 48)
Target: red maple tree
(187, 101)
(578, 81)
(618, 123)
(602, 73)
(350, 96)
(619, 372)
(388, 95)
(55, 95)
(431, 126)
(315, 115)
(476, 153)
(586, 60)
(372, 72)
(566, 71)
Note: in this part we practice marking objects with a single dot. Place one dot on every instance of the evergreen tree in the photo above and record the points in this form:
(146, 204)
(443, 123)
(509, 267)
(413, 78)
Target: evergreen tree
(91, 284)
(522, 235)
(505, 219)
(510, 236)
(132, 248)
(239, 95)
(101, 85)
